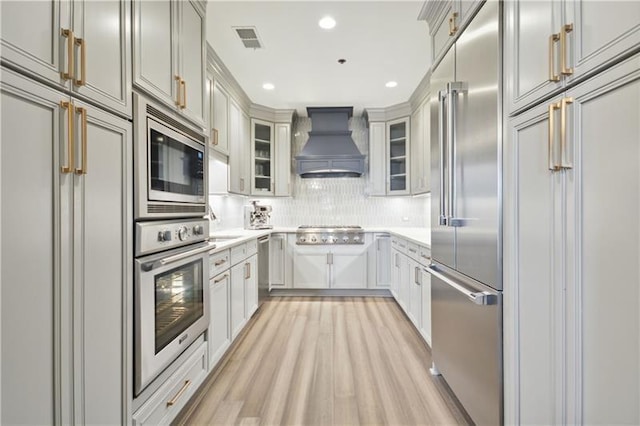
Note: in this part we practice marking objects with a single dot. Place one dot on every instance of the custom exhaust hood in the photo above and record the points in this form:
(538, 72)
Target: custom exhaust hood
(330, 150)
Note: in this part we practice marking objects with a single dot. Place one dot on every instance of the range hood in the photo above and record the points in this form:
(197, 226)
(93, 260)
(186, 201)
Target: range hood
(330, 150)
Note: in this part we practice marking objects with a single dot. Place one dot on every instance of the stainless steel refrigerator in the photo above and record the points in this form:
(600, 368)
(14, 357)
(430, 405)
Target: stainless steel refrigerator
(466, 284)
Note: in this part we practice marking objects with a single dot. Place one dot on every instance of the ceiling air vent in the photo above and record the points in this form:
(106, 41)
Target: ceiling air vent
(249, 37)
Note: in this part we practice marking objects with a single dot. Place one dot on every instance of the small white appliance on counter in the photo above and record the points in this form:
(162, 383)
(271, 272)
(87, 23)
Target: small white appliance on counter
(256, 216)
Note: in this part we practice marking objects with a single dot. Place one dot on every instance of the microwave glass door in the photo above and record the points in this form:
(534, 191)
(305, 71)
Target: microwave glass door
(176, 166)
(178, 301)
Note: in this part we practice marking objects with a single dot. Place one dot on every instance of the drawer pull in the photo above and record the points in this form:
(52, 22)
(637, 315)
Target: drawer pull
(220, 262)
(413, 251)
(184, 388)
(224, 277)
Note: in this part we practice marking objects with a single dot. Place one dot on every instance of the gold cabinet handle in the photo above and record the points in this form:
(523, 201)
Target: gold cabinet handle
(563, 132)
(183, 84)
(214, 136)
(179, 83)
(222, 278)
(220, 262)
(553, 77)
(563, 49)
(184, 388)
(241, 184)
(247, 271)
(83, 115)
(453, 28)
(68, 34)
(552, 108)
(83, 62)
(70, 151)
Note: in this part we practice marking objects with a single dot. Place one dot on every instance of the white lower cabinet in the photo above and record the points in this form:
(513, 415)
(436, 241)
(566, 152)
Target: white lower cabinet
(382, 261)
(219, 334)
(66, 256)
(320, 267)
(414, 304)
(277, 264)
(395, 273)
(425, 316)
(251, 286)
(238, 317)
(176, 391)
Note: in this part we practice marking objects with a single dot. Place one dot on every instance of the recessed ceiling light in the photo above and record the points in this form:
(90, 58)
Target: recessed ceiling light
(268, 86)
(327, 23)
(391, 84)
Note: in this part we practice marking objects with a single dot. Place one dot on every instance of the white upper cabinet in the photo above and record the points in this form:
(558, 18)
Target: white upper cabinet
(549, 44)
(377, 156)
(169, 55)
(283, 159)
(420, 149)
(262, 155)
(398, 149)
(218, 116)
(66, 44)
(239, 145)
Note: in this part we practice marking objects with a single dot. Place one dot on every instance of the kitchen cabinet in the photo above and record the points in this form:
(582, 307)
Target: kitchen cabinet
(169, 54)
(238, 317)
(239, 134)
(76, 216)
(64, 44)
(218, 115)
(398, 166)
(278, 261)
(330, 267)
(414, 302)
(262, 156)
(404, 275)
(382, 262)
(446, 19)
(420, 149)
(571, 279)
(395, 273)
(377, 158)
(551, 45)
(425, 306)
(219, 333)
(251, 286)
(283, 159)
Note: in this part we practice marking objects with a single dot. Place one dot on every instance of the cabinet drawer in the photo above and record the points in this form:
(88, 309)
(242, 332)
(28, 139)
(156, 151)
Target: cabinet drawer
(167, 402)
(413, 251)
(424, 254)
(219, 262)
(252, 247)
(238, 253)
(400, 244)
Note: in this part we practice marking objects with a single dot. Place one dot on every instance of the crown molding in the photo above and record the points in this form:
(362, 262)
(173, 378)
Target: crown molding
(222, 74)
(270, 114)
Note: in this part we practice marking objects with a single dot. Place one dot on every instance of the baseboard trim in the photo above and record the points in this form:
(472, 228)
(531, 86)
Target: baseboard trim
(333, 292)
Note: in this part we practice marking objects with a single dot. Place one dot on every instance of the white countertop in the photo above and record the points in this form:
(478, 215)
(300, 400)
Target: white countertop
(420, 236)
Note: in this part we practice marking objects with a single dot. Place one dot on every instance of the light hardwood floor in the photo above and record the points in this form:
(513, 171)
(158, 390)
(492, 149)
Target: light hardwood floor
(326, 361)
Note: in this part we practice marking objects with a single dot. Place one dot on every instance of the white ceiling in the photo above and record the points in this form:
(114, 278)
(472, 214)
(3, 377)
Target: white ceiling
(381, 41)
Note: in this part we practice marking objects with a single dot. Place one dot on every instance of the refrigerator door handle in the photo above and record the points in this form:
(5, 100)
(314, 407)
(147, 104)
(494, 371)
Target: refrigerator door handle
(442, 96)
(453, 90)
(478, 297)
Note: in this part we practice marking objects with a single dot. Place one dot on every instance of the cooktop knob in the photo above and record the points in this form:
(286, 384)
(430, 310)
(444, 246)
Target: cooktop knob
(303, 239)
(345, 238)
(313, 239)
(324, 239)
(183, 233)
(356, 238)
(334, 239)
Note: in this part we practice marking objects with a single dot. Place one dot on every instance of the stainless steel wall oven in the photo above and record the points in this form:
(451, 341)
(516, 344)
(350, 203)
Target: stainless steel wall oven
(171, 164)
(171, 297)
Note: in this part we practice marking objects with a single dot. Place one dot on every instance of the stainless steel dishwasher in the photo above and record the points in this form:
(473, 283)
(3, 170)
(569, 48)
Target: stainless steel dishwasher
(263, 269)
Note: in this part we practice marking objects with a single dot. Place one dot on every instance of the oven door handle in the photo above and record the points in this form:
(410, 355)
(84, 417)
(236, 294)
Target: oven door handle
(150, 266)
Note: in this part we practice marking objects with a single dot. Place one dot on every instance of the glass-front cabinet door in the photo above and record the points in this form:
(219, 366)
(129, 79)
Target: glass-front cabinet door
(397, 157)
(262, 155)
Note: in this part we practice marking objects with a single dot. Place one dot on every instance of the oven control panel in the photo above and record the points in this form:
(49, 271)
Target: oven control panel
(152, 237)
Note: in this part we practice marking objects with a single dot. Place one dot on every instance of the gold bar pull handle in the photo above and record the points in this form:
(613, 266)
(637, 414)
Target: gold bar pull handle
(179, 94)
(83, 115)
(183, 389)
(70, 151)
(552, 163)
(453, 28)
(553, 77)
(183, 84)
(563, 133)
(214, 136)
(68, 34)
(83, 62)
(563, 49)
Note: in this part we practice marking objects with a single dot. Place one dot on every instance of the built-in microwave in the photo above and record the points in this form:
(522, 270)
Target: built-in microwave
(170, 167)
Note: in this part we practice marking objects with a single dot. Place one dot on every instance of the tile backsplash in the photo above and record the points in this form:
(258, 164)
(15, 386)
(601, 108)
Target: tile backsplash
(342, 201)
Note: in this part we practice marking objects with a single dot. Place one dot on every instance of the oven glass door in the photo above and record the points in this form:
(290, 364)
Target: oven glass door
(171, 308)
(178, 301)
(176, 165)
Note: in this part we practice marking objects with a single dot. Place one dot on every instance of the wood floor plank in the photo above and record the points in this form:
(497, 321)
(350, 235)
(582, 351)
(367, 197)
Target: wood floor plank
(326, 361)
